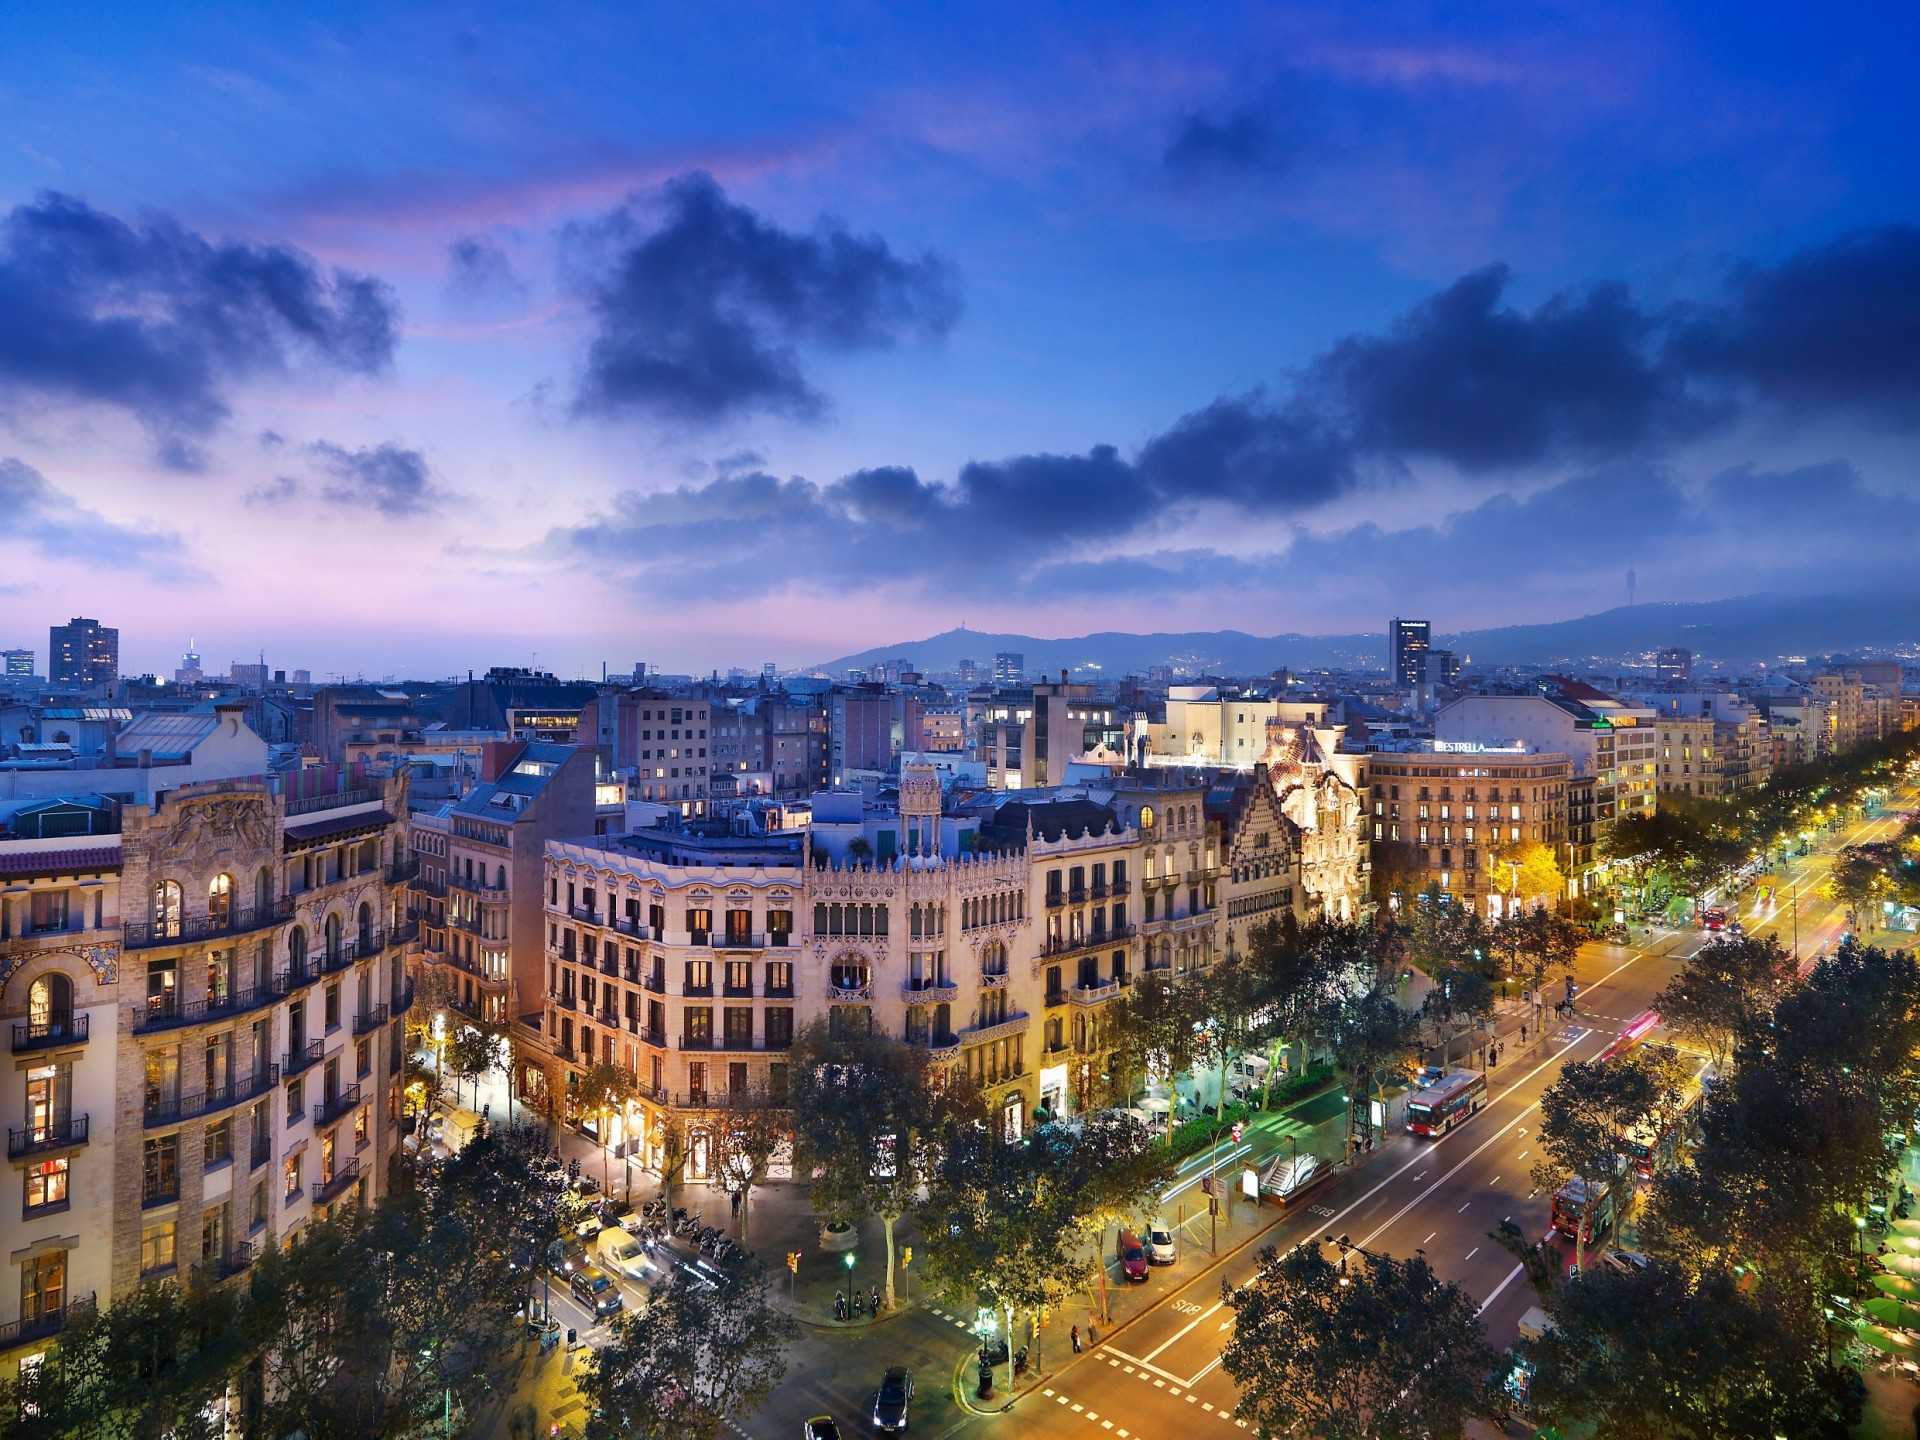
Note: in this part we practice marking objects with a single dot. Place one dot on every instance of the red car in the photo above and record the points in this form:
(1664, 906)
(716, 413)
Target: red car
(1133, 1256)
(1714, 920)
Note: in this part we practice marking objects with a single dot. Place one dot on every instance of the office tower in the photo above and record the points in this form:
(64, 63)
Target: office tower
(1009, 667)
(1674, 667)
(1409, 641)
(83, 652)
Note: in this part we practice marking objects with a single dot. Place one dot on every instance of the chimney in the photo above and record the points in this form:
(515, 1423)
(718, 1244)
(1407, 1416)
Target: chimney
(112, 751)
(1063, 677)
(496, 756)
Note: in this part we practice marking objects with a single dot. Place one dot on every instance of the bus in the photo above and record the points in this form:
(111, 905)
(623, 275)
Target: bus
(1570, 1211)
(1446, 1102)
(1652, 1147)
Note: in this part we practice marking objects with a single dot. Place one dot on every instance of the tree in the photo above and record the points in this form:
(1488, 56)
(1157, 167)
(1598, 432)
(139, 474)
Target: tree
(1725, 991)
(865, 1111)
(1444, 936)
(699, 1356)
(1582, 1116)
(1379, 1349)
(1858, 882)
(1456, 1005)
(1154, 1029)
(1305, 973)
(606, 1091)
(747, 1131)
(1539, 943)
(1227, 998)
(1528, 871)
(1370, 1034)
(472, 1053)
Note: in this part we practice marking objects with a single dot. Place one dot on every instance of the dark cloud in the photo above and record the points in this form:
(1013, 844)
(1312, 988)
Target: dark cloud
(478, 271)
(700, 305)
(1244, 140)
(1833, 326)
(58, 527)
(281, 490)
(161, 322)
(387, 478)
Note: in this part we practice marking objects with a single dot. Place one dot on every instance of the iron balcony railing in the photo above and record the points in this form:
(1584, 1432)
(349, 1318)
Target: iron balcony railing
(166, 1012)
(344, 1175)
(44, 1325)
(51, 1033)
(65, 1133)
(166, 1109)
(304, 1058)
(328, 1111)
(140, 934)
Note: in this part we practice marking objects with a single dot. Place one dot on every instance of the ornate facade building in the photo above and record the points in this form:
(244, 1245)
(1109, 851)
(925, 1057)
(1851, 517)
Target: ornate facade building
(205, 996)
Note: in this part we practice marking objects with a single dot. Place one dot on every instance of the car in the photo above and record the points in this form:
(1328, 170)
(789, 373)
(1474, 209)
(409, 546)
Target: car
(585, 1185)
(588, 1225)
(1714, 919)
(890, 1404)
(1160, 1246)
(1132, 1255)
(624, 1255)
(564, 1257)
(820, 1427)
(594, 1288)
(1624, 1262)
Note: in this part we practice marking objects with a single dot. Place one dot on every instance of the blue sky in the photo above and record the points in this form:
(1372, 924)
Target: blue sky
(403, 339)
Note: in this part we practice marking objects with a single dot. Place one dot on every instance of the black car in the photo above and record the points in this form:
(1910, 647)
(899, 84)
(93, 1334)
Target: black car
(890, 1405)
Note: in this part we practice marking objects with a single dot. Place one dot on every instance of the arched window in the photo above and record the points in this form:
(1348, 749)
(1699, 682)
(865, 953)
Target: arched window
(500, 878)
(1146, 817)
(50, 1006)
(263, 891)
(220, 902)
(297, 952)
(332, 951)
(365, 936)
(166, 909)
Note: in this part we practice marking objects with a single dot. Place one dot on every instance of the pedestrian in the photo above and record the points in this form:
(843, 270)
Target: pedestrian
(734, 1201)
(873, 1300)
(1523, 1034)
(856, 1302)
(1496, 1054)
(840, 1305)
(1076, 1345)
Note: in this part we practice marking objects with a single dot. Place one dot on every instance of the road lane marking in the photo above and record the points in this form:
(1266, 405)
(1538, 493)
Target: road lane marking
(1429, 1239)
(1461, 1211)
(1181, 1333)
(1470, 1254)
(1511, 1274)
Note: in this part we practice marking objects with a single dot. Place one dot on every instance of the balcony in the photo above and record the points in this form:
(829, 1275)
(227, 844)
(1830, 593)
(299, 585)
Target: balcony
(1068, 945)
(938, 1047)
(402, 871)
(404, 933)
(1055, 998)
(566, 1000)
(1014, 1024)
(69, 1132)
(485, 891)
(369, 1021)
(303, 1059)
(168, 1110)
(1099, 994)
(42, 1327)
(50, 1034)
(777, 992)
(993, 979)
(344, 1176)
(334, 800)
(328, 1111)
(928, 992)
(261, 1151)
(741, 940)
(1120, 889)
(402, 1000)
(216, 1268)
(429, 885)
(656, 982)
(694, 1042)
(169, 1011)
(1077, 895)
(1055, 899)
(848, 994)
(142, 934)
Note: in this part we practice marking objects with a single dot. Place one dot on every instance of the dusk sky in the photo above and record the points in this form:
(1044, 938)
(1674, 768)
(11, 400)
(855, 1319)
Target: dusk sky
(407, 339)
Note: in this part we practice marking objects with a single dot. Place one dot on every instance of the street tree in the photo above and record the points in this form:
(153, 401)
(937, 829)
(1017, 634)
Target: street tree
(472, 1054)
(1226, 997)
(1376, 1349)
(1457, 1005)
(1582, 1116)
(1371, 1035)
(1725, 992)
(1539, 943)
(1154, 1029)
(747, 1130)
(606, 1091)
(698, 1357)
(1443, 936)
(866, 1112)
(1528, 872)
(1304, 973)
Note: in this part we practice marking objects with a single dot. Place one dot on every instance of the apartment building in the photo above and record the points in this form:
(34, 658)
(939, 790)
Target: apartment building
(206, 993)
(1452, 808)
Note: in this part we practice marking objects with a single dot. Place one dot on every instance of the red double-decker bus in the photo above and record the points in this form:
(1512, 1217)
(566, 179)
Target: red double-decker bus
(1446, 1102)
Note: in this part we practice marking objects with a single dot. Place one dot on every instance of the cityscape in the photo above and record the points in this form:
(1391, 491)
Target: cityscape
(1064, 723)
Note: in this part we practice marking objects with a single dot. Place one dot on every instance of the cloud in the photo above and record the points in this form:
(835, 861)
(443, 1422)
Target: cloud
(161, 322)
(387, 478)
(700, 306)
(58, 527)
(478, 271)
(1242, 141)
(280, 491)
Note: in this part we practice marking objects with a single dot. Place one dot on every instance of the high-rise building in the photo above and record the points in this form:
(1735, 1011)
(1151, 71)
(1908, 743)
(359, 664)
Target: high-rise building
(189, 672)
(1674, 667)
(18, 662)
(968, 671)
(1009, 667)
(1409, 640)
(83, 652)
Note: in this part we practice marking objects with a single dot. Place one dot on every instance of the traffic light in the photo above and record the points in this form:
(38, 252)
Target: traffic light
(793, 1261)
(907, 1256)
(1239, 1127)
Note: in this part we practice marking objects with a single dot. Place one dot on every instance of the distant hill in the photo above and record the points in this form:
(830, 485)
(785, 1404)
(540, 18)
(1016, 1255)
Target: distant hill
(1739, 630)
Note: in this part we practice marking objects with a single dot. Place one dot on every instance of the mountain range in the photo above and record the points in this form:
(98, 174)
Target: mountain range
(1740, 631)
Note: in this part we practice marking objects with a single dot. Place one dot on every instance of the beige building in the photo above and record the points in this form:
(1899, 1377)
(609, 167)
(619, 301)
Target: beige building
(1205, 728)
(1454, 813)
(205, 992)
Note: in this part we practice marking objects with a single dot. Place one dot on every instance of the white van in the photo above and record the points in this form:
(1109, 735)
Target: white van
(622, 1253)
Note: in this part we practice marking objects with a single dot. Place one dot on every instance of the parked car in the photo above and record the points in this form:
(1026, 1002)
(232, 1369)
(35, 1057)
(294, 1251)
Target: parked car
(890, 1405)
(594, 1288)
(1160, 1246)
(1624, 1262)
(1133, 1256)
(820, 1427)
(621, 1253)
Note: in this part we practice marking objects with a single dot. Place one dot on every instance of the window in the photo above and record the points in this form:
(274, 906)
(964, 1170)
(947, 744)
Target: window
(219, 1143)
(47, 910)
(296, 1100)
(166, 909)
(47, 1184)
(363, 1058)
(697, 1024)
(257, 1205)
(160, 1181)
(220, 902)
(291, 1172)
(43, 1285)
(50, 1005)
(157, 1247)
(699, 977)
(739, 1023)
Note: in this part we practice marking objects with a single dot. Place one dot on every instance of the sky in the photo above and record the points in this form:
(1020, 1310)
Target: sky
(407, 339)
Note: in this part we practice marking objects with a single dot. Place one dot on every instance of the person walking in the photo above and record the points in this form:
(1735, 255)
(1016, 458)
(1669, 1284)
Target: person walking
(840, 1305)
(1076, 1339)
(873, 1300)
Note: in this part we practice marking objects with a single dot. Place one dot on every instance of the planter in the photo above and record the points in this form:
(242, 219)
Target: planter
(837, 1235)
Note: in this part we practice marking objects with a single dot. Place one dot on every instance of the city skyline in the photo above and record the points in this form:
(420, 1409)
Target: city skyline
(466, 327)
